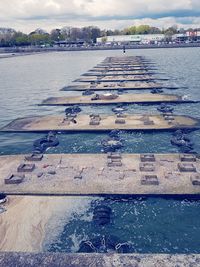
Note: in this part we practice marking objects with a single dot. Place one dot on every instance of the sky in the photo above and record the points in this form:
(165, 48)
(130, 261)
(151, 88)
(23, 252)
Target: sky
(27, 15)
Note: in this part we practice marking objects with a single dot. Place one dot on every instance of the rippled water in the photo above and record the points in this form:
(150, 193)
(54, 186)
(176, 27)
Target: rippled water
(152, 225)
(149, 226)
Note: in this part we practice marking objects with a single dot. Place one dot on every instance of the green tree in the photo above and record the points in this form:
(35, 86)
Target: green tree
(143, 29)
(130, 31)
(56, 35)
(154, 30)
(20, 39)
(95, 33)
(104, 39)
(170, 32)
(39, 39)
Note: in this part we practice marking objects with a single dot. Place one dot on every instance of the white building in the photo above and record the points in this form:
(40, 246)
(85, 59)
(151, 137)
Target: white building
(134, 39)
(193, 36)
(188, 36)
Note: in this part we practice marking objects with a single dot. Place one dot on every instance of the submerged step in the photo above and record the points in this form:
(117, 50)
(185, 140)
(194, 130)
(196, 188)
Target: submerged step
(109, 98)
(100, 174)
(105, 123)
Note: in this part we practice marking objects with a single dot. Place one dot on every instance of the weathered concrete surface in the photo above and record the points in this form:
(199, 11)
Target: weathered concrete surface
(121, 68)
(113, 86)
(118, 78)
(125, 59)
(98, 260)
(120, 99)
(96, 174)
(23, 224)
(125, 63)
(109, 73)
(107, 123)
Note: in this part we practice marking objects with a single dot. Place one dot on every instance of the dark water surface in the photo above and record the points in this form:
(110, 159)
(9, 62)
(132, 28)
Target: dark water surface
(152, 225)
(149, 226)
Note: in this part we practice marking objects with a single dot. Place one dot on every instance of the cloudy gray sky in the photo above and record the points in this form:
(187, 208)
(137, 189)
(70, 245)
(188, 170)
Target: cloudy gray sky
(27, 15)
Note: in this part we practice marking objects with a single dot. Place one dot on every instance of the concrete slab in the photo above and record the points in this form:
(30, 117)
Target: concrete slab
(125, 64)
(82, 123)
(121, 68)
(57, 175)
(108, 98)
(119, 78)
(118, 73)
(114, 86)
(126, 59)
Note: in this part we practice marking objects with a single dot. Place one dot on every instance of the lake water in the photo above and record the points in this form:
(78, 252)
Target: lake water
(151, 225)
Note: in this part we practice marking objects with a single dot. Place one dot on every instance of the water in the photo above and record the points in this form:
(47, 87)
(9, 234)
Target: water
(152, 225)
(149, 226)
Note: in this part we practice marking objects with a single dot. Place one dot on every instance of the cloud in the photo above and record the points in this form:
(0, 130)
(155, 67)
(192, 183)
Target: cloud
(29, 14)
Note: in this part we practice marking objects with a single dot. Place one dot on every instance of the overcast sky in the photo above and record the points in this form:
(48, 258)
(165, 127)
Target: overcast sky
(27, 15)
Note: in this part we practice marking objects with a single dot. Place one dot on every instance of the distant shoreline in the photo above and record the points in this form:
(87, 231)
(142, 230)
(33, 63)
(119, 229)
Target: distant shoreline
(10, 52)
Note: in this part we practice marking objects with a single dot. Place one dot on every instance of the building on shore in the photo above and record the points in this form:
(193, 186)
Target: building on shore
(67, 43)
(189, 36)
(132, 39)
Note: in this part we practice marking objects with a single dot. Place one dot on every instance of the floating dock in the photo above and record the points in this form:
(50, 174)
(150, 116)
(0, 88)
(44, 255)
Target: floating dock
(101, 174)
(119, 78)
(124, 69)
(114, 86)
(118, 73)
(108, 99)
(127, 59)
(92, 123)
(125, 64)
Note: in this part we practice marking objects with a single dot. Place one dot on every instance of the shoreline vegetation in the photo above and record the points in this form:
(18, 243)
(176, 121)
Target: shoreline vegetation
(9, 52)
(86, 35)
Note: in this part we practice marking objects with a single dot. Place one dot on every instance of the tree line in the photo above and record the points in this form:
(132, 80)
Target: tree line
(10, 37)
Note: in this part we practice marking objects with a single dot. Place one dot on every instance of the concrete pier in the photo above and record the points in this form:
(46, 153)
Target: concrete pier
(101, 123)
(119, 78)
(114, 86)
(122, 68)
(125, 64)
(108, 98)
(102, 174)
(118, 73)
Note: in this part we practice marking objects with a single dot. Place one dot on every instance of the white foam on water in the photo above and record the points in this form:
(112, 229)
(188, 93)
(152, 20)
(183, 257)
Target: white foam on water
(185, 97)
(76, 240)
(63, 214)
